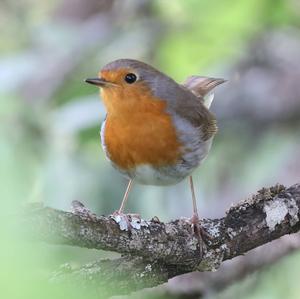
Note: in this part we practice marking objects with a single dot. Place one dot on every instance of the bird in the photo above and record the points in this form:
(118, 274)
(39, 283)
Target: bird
(156, 131)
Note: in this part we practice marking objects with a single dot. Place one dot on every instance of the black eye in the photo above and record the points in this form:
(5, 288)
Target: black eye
(130, 78)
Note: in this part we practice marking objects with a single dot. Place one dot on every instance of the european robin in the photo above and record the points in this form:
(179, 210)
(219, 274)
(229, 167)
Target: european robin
(156, 131)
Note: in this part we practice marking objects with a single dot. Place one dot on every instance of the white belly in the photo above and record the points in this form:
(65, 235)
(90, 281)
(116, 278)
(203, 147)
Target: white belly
(148, 175)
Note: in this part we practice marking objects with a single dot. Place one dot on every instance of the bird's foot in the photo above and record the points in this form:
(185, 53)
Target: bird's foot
(78, 208)
(128, 222)
(123, 220)
(199, 233)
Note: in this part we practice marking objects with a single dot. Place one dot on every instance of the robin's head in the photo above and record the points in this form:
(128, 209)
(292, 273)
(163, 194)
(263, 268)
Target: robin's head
(127, 82)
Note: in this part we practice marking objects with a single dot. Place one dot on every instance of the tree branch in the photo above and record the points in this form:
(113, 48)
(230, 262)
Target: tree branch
(197, 284)
(158, 251)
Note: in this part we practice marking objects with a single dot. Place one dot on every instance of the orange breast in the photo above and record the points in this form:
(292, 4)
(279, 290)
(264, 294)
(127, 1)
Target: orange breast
(143, 134)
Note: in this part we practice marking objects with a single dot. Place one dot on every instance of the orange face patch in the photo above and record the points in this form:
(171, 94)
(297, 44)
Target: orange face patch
(138, 130)
(123, 97)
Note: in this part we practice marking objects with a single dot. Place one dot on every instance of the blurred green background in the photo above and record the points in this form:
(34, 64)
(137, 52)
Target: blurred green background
(50, 119)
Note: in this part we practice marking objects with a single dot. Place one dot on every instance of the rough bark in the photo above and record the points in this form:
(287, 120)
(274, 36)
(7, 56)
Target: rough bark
(153, 252)
(197, 284)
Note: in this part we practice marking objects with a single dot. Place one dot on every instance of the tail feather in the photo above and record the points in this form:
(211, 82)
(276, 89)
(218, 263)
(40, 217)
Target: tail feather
(201, 87)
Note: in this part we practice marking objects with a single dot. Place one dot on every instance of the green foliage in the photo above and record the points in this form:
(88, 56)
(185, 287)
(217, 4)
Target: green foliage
(202, 34)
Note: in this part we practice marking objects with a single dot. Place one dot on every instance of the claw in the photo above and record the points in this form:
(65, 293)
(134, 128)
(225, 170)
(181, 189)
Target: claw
(199, 232)
(122, 220)
(127, 222)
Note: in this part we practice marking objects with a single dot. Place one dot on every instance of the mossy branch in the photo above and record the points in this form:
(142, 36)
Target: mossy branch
(157, 251)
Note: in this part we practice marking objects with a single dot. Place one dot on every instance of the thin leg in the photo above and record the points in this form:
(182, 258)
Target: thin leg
(195, 210)
(125, 220)
(125, 197)
(195, 219)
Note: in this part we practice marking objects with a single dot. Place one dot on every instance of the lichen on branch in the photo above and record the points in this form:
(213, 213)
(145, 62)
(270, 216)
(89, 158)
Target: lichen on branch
(164, 250)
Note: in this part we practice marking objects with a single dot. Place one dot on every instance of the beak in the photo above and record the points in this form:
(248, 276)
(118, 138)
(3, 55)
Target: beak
(97, 81)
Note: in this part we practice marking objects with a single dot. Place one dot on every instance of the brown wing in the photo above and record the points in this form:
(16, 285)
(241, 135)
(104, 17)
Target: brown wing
(199, 115)
(187, 100)
(192, 109)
